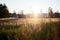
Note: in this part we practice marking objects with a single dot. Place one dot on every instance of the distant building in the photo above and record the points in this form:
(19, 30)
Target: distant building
(56, 15)
(14, 15)
(21, 14)
(43, 15)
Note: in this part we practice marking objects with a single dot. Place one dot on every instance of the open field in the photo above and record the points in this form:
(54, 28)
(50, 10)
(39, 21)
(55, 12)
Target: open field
(27, 20)
(30, 29)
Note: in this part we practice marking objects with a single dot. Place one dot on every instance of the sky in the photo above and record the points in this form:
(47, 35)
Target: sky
(31, 5)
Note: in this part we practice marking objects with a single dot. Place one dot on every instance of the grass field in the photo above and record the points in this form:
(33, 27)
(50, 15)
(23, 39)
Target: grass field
(30, 29)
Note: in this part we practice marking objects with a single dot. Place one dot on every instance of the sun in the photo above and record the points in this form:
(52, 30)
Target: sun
(35, 10)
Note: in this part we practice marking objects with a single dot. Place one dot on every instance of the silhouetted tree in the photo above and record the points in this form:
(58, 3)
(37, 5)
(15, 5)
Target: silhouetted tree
(4, 13)
(50, 12)
(21, 15)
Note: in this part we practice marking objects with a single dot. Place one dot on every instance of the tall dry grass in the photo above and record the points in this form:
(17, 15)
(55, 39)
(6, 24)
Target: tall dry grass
(42, 31)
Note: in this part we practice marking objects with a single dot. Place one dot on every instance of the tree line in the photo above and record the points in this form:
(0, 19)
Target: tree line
(4, 12)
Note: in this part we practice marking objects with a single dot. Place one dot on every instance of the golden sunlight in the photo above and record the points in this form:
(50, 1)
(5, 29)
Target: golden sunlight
(35, 10)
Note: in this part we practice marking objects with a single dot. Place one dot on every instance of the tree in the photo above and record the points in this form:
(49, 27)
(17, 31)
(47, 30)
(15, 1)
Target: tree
(4, 13)
(50, 12)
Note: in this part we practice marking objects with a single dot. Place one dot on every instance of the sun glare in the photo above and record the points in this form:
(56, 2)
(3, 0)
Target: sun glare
(35, 10)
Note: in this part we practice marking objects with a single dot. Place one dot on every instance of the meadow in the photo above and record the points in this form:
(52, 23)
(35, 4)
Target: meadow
(30, 29)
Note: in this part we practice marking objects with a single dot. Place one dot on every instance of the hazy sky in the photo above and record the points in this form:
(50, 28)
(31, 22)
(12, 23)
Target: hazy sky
(31, 5)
